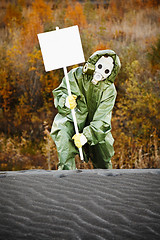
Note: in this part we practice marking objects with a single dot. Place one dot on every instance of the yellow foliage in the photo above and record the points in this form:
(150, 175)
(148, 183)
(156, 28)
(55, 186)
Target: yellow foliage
(32, 69)
(34, 56)
(22, 113)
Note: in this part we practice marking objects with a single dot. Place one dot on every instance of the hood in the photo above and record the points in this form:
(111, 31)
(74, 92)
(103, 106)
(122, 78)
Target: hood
(117, 65)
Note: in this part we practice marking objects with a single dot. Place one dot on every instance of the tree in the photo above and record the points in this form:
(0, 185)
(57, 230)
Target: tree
(74, 15)
(13, 15)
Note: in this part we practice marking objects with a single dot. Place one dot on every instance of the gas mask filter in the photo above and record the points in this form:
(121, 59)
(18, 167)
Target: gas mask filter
(103, 69)
(88, 68)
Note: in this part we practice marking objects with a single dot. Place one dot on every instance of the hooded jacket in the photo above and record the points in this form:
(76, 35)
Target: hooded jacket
(94, 102)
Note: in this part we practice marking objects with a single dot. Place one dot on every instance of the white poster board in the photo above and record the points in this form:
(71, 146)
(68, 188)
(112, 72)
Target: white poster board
(61, 48)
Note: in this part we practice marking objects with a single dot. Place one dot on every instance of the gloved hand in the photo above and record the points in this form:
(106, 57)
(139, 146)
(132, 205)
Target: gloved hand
(71, 101)
(79, 140)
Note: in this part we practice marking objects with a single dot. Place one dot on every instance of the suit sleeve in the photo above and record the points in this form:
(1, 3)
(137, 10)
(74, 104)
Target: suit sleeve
(60, 94)
(101, 123)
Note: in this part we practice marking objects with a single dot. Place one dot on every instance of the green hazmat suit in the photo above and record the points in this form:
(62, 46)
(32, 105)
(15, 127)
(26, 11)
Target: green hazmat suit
(93, 113)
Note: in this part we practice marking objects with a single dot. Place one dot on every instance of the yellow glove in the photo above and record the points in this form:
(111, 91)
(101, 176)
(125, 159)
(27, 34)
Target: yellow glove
(71, 101)
(79, 140)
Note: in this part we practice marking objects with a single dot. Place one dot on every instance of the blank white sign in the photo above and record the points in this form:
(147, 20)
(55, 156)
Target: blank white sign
(61, 48)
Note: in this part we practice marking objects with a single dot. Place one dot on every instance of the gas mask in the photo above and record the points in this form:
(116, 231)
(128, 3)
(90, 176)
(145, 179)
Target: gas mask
(103, 69)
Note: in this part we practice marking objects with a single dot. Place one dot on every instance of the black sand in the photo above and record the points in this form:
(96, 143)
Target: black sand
(81, 204)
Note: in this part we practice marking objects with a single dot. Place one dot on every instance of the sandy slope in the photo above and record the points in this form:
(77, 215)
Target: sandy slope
(81, 204)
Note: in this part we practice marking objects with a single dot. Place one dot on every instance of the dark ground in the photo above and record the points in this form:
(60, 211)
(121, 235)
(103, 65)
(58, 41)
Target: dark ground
(80, 204)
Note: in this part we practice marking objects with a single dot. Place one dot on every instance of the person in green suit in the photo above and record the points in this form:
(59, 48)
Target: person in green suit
(93, 98)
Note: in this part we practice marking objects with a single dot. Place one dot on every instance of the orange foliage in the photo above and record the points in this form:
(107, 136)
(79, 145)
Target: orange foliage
(152, 3)
(114, 5)
(102, 46)
(13, 14)
(75, 15)
(34, 24)
(42, 9)
(5, 91)
(32, 27)
(116, 8)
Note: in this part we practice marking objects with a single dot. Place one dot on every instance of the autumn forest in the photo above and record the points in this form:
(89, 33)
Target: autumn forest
(130, 28)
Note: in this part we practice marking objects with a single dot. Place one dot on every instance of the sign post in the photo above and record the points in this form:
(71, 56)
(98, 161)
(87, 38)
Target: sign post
(62, 48)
